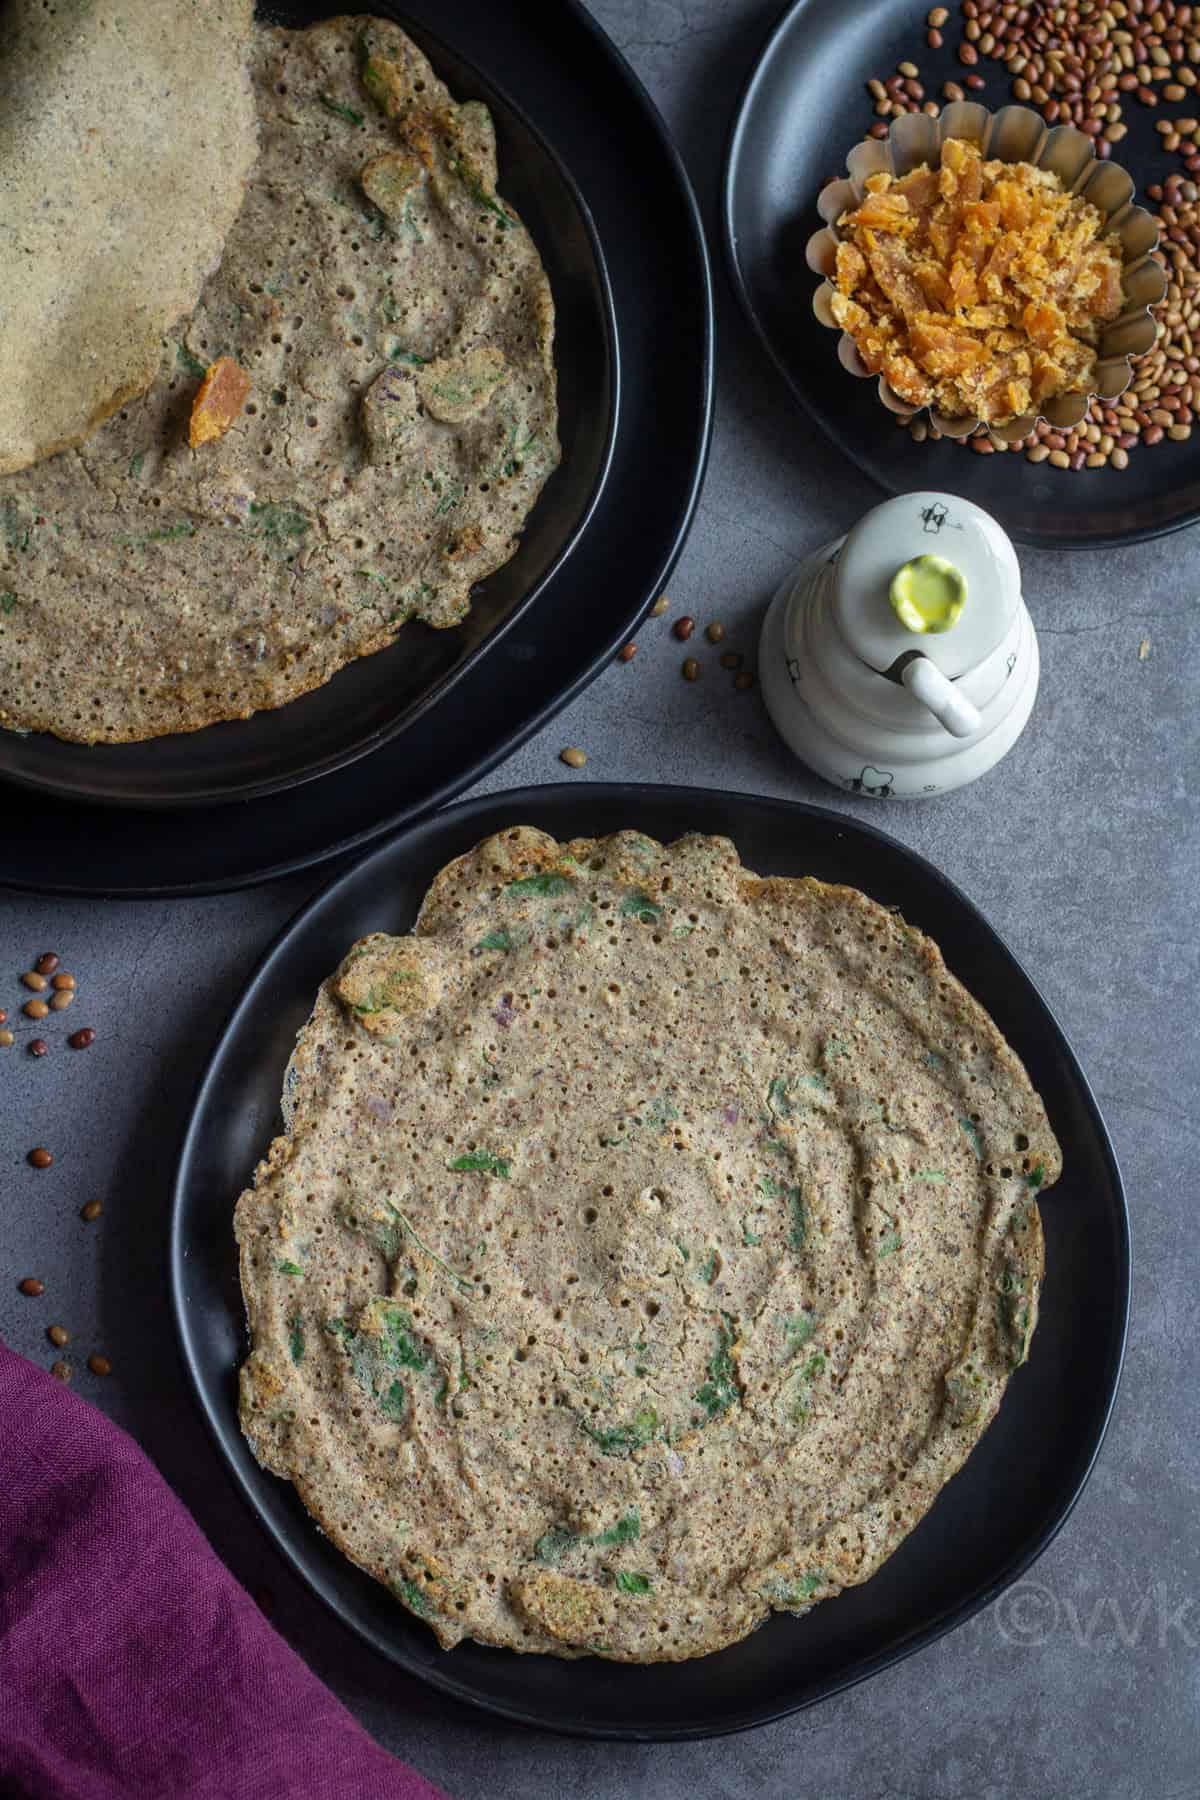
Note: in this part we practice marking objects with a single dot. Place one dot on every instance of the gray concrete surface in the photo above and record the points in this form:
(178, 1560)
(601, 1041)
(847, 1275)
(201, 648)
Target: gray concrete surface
(1082, 850)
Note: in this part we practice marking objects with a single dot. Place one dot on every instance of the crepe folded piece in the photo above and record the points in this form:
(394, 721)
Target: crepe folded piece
(131, 1662)
(127, 131)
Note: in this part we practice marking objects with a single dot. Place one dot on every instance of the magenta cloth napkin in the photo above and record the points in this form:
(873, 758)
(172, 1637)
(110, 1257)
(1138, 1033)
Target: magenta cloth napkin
(132, 1665)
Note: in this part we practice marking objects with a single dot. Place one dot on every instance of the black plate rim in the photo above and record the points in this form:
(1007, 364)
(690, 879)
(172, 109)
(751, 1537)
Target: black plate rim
(228, 794)
(46, 881)
(1141, 534)
(223, 1426)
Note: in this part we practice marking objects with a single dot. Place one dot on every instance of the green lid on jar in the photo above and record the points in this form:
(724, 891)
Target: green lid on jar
(928, 594)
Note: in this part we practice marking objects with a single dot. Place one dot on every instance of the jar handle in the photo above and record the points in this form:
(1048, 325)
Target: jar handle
(949, 707)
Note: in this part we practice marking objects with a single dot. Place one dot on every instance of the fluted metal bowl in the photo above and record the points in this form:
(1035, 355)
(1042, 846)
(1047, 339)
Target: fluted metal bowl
(1014, 134)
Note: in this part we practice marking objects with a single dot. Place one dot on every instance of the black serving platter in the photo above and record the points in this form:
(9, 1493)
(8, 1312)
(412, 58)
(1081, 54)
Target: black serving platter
(376, 697)
(804, 107)
(987, 1526)
(558, 69)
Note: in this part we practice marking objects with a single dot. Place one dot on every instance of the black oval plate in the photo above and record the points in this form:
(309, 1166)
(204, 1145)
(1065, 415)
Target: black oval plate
(987, 1526)
(563, 71)
(803, 108)
(375, 698)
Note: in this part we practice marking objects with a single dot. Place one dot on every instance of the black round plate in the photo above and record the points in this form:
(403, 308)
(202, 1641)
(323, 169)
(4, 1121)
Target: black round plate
(803, 108)
(987, 1526)
(372, 700)
(561, 71)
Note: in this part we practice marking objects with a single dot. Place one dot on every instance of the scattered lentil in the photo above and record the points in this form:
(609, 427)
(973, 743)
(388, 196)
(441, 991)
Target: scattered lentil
(41, 1159)
(627, 652)
(6, 1038)
(714, 632)
(937, 18)
(60, 1002)
(99, 1365)
(31, 979)
(85, 1037)
(47, 962)
(62, 982)
(743, 680)
(573, 758)
(731, 660)
(58, 1335)
(684, 627)
(691, 669)
(35, 1009)
(61, 1371)
(31, 1287)
(660, 606)
(1143, 649)
(91, 1211)
(38, 1046)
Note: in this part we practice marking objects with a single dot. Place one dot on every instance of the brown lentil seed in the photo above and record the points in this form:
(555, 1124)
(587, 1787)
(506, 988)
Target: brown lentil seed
(1037, 454)
(743, 680)
(660, 606)
(99, 1365)
(878, 129)
(975, 81)
(90, 1212)
(46, 963)
(952, 91)
(937, 18)
(6, 1038)
(1119, 458)
(934, 38)
(58, 1335)
(41, 1159)
(627, 652)
(38, 1046)
(968, 55)
(684, 627)
(61, 1371)
(31, 1287)
(714, 632)
(691, 669)
(61, 983)
(35, 1009)
(574, 759)
(731, 660)
(31, 979)
(59, 1002)
(908, 69)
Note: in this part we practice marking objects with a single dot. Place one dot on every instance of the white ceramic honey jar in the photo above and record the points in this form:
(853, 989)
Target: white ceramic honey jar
(901, 661)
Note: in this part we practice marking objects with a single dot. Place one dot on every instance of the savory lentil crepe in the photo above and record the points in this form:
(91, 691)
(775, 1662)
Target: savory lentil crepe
(648, 1245)
(123, 158)
(349, 432)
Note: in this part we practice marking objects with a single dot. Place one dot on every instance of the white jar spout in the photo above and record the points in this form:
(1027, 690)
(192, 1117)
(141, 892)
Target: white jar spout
(952, 710)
